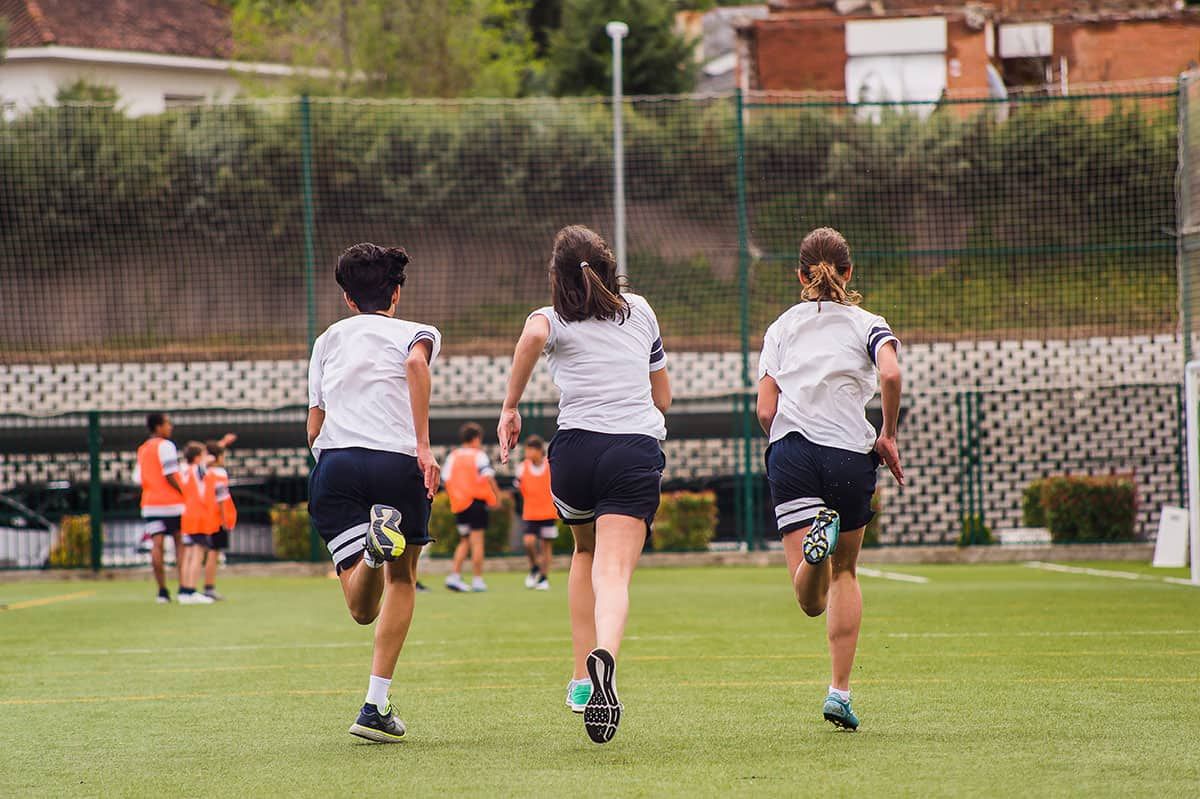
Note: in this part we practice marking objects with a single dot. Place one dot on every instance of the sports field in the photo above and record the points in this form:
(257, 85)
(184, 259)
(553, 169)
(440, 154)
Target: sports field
(982, 681)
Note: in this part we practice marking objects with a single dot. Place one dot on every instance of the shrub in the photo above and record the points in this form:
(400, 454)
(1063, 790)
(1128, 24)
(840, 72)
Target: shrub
(1089, 508)
(871, 533)
(974, 532)
(443, 528)
(1032, 514)
(686, 521)
(74, 545)
(291, 532)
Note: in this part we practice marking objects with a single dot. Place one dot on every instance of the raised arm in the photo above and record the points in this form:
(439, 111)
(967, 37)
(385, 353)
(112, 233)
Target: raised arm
(889, 389)
(420, 388)
(529, 348)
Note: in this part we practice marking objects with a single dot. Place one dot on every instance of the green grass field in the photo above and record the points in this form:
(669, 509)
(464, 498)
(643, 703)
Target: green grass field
(985, 680)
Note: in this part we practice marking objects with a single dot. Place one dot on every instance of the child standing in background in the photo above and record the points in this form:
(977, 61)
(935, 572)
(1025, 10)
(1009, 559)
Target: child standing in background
(538, 513)
(471, 484)
(195, 536)
(220, 517)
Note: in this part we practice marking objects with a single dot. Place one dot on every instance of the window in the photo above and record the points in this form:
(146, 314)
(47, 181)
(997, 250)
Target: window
(896, 60)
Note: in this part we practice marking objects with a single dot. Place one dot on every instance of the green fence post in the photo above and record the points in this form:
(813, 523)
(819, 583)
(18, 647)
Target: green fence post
(310, 257)
(1183, 215)
(748, 514)
(95, 500)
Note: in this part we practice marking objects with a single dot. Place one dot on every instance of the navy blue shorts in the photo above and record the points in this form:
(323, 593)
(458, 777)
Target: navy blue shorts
(162, 525)
(344, 485)
(592, 474)
(806, 477)
(475, 517)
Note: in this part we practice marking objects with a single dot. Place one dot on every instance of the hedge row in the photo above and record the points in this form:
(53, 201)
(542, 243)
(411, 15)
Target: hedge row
(1082, 508)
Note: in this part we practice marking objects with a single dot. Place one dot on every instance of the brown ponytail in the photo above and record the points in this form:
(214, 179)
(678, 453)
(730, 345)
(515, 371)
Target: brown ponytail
(583, 278)
(825, 265)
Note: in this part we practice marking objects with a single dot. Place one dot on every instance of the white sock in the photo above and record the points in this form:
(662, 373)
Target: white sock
(842, 695)
(454, 577)
(377, 691)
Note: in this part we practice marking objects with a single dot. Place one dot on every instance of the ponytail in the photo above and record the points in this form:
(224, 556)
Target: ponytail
(583, 278)
(825, 283)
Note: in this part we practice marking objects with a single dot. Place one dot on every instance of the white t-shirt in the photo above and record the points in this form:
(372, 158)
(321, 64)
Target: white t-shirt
(357, 377)
(602, 370)
(822, 355)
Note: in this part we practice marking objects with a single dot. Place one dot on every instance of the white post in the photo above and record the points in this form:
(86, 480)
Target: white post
(617, 31)
(1191, 396)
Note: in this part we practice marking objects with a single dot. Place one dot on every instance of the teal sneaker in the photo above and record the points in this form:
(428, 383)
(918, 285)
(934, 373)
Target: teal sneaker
(821, 538)
(384, 541)
(578, 694)
(837, 711)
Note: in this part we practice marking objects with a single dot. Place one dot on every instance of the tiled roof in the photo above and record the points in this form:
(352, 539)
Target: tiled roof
(169, 27)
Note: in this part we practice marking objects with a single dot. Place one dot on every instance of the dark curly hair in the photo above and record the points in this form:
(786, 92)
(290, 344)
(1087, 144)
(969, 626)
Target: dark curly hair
(369, 274)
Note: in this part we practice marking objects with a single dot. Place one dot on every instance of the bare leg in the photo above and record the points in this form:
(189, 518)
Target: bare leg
(156, 561)
(619, 542)
(811, 583)
(580, 598)
(179, 555)
(363, 586)
(213, 558)
(547, 554)
(460, 551)
(196, 565)
(395, 616)
(477, 553)
(845, 608)
(531, 544)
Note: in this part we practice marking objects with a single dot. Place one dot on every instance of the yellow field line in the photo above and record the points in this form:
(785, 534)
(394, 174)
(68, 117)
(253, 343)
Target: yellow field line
(49, 600)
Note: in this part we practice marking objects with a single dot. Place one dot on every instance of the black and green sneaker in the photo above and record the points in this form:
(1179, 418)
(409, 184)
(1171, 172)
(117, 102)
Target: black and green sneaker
(602, 713)
(378, 724)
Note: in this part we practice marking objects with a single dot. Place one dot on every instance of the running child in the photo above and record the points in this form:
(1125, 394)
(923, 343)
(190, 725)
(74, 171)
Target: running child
(195, 533)
(537, 511)
(471, 484)
(370, 491)
(606, 356)
(816, 374)
(220, 517)
(162, 496)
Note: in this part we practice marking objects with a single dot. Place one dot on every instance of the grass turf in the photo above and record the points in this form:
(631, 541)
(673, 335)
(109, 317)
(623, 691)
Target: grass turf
(986, 679)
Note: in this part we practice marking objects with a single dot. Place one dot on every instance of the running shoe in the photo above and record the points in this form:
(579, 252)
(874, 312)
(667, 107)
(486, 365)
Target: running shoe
(531, 579)
(821, 538)
(385, 542)
(578, 694)
(542, 584)
(380, 726)
(194, 598)
(478, 585)
(422, 588)
(214, 595)
(837, 711)
(602, 713)
(455, 583)
(164, 597)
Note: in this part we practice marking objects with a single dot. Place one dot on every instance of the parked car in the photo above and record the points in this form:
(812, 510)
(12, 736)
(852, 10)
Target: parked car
(25, 536)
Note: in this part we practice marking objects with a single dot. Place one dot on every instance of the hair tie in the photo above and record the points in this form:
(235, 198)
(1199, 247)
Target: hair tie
(583, 264)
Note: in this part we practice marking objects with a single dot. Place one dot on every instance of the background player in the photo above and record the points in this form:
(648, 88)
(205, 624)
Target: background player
(606, 356)
(537, 511)
(162, 496)
(471, 483)
(196, 539)
(220, 517)
(816, 374)
(369, 495)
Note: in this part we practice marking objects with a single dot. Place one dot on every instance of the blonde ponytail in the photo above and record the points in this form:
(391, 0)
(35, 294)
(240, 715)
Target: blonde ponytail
(826, 283)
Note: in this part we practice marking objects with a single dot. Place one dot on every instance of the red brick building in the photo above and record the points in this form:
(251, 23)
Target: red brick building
(910, 49)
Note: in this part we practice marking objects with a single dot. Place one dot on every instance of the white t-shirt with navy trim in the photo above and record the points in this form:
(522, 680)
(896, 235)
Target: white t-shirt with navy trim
(602, 371)
(822, 355)
(357, 376)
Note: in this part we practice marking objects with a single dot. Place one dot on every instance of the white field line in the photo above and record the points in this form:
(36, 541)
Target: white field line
(1041, 634)
(1119, 575)
(903, 578)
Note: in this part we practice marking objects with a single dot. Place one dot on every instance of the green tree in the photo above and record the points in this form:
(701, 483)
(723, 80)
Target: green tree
(657, 59)
(381, 48)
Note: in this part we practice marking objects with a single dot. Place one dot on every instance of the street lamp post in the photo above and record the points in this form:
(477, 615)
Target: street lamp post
(617, 31)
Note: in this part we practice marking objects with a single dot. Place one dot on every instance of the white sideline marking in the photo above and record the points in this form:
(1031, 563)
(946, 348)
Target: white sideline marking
(1059, 567)
(904, 578)
(1041, 634)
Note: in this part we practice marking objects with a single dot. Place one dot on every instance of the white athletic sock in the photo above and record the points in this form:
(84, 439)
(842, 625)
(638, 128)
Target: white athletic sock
(842, 695)
(377, 691)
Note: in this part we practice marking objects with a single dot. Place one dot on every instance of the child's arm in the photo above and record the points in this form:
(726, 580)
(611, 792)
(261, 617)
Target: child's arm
(768, 402)
(316, 418)
(529, 348)
(889, 388)
(660, 389)
(420, 389)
